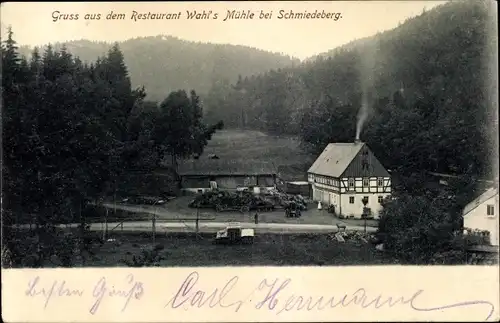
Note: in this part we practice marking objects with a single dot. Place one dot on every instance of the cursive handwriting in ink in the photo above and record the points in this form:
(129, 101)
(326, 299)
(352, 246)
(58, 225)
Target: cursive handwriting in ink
(272, 294)
(461, 304)
(190, 296)
(357, 298)
(102, 288)
(56, 289)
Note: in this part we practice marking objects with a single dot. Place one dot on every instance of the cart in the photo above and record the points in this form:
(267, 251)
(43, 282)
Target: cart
(234, 234)
(292, 210)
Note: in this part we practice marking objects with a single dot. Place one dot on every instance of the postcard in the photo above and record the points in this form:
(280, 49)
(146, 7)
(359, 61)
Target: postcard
(251, 161)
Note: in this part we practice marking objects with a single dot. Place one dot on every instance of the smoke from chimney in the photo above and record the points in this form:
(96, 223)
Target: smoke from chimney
(362, 115)
(367, 64)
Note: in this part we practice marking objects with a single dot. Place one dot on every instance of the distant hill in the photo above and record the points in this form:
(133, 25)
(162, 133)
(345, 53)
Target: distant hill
(427, 90)
(352, 45)
(164, 63)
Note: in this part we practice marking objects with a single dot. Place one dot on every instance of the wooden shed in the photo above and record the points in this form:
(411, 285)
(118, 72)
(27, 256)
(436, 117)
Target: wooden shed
(202, 175)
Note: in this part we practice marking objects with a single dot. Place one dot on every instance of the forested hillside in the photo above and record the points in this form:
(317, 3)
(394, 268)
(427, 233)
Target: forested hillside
(71, 131)
(163, 63)
(425, 90)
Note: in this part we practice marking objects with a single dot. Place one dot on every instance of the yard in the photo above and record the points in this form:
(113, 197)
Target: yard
(286, 153)
(188, 249)
(178, 209)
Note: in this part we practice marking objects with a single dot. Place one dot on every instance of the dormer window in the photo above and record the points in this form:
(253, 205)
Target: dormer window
(364, 161)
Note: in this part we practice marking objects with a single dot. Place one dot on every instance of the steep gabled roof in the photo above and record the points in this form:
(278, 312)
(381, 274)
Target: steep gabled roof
(480, 200)
(214, 167)
(345, 160)
(335, 158)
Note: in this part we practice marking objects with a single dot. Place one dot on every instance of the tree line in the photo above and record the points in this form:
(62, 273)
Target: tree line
(173, 63)
(427, 85)
(71, 130)
(429, 91)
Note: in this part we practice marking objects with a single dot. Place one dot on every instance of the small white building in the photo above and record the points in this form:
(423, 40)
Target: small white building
(344, 174)
(482, 215)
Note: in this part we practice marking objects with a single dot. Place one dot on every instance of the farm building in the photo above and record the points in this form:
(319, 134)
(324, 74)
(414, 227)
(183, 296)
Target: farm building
(298, 187)
(202, 175)
(344, 174)
(482, 215)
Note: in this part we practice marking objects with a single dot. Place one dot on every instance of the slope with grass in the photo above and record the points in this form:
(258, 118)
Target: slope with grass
(285, 152)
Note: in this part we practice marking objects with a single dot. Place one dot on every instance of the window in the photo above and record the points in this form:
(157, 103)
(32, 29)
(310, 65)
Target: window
(490, 210)
(351, 199)
(380, 199)
(364, 161)
(366, 182)
(380, 182)
(366, 198)
(351, 182)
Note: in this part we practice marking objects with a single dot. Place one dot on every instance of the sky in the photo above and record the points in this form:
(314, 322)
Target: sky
(32, 22)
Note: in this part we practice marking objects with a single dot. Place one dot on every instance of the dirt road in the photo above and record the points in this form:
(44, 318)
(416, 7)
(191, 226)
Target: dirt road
(178, 210)
(210, 227)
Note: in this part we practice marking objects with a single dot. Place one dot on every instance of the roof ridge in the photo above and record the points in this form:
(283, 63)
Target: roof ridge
(340, 158)
(483, 197)
(347, 143)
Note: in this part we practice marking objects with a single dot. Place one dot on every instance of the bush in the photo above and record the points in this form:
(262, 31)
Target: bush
(146, 258)
(49, 246)
(416, 228)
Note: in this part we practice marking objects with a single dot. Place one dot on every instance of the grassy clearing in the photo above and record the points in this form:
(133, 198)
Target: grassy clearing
(285, 152)
(186, 249)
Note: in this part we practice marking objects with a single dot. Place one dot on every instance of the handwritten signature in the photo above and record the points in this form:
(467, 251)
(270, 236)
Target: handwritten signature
(276, 295)
(275, 299)
(187, 295)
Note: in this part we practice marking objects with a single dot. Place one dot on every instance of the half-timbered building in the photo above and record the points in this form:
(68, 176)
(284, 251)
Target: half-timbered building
(344, 174)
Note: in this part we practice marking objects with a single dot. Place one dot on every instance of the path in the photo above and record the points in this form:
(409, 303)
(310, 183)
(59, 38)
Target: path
(210, 227)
